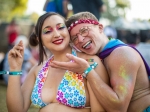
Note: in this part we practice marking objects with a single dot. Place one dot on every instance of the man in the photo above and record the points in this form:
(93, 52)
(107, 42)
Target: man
(59, 6)
(128, 72)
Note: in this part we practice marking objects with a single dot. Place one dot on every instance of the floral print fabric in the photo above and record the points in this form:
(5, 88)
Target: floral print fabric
(71, 91)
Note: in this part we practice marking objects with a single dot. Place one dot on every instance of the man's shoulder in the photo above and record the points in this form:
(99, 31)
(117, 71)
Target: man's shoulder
(124, 50)
(124, 54)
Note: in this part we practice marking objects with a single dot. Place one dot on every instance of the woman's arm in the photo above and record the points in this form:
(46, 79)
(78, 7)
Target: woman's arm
(18, 98)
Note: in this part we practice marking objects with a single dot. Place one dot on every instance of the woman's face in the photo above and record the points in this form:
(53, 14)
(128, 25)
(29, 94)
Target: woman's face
(55, 35)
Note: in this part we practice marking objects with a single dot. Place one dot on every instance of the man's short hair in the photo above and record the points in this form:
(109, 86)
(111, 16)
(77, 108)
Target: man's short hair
(80, 15)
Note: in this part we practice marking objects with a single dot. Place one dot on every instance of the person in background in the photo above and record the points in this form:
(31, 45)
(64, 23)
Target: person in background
(96, 7)
(144, 46)
(28, 60)
(59, 6)
(48, 88)
(110, 32)
(129, 89)
(12, 32)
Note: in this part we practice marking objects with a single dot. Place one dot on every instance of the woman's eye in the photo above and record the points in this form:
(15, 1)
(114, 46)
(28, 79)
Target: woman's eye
(61, 28)
(47, 32)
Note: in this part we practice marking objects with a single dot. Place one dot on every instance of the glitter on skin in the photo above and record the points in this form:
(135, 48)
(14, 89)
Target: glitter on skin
(112, 99)
(61, 25)
(47, 29)
(50, 29)
(123, 88)
(124, 75)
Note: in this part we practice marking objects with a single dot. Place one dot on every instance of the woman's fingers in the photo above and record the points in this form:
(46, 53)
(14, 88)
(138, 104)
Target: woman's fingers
(18, 54)
(17, 50)
(15, 53)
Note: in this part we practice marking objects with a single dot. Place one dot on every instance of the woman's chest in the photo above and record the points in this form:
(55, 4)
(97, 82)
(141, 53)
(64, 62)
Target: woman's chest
(65, 87)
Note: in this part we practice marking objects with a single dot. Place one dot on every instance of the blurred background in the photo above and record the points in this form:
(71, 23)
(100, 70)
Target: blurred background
(123, 15)
(127, 20)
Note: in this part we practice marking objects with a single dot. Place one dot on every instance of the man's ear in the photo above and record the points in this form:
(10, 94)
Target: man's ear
(101, 28)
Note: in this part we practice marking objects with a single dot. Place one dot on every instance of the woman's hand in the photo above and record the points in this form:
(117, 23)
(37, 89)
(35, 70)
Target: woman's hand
(15, 57)
(78, 65)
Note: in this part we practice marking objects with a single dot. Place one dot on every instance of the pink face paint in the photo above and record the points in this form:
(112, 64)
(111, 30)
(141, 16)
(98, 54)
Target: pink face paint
(60, 26)
(47, 30)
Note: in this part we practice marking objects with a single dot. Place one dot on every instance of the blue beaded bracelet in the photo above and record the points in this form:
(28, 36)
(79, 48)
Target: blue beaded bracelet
(89, 69)
(11, 73)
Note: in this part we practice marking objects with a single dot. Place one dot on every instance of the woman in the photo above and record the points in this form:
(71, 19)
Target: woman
(50, 88)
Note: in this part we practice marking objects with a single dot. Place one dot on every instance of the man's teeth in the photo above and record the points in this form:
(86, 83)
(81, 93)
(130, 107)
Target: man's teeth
(86, 45)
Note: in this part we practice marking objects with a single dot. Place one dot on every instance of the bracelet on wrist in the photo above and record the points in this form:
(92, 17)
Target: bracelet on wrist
(92, 66)
(11, 73)
(15, 73)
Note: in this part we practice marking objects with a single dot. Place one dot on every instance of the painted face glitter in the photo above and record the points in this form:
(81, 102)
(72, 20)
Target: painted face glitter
(47, 30)
(50, 29)
(60, 26)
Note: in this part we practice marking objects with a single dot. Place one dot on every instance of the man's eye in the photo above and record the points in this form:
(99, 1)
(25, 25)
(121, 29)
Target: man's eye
(74, 38)
(84, 30)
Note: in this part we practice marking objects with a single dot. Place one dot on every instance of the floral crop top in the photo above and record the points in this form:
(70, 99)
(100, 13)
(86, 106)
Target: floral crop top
(71, 91)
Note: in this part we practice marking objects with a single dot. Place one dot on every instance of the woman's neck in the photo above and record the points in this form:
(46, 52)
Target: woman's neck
(61, 55)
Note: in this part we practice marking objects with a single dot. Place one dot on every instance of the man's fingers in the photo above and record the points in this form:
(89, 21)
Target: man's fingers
(74, 58)
(58, 64)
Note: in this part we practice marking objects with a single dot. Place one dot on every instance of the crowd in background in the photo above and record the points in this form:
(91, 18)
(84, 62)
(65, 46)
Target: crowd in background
(140, 39)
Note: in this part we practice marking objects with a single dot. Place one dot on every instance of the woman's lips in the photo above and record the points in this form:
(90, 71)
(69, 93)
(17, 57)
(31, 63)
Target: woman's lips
(58, 41)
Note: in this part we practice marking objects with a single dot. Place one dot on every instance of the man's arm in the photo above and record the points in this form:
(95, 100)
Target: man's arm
(122, 66)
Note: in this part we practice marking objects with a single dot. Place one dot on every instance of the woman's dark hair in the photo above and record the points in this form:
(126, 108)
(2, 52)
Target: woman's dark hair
(35, 37)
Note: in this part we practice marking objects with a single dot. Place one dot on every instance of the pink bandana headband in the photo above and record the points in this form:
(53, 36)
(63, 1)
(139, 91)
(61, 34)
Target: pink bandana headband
(90, 21)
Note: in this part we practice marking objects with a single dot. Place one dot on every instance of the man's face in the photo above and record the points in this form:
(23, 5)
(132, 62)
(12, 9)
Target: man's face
(86, 38)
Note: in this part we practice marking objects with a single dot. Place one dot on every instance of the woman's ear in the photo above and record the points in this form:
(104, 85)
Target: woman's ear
(37, 39)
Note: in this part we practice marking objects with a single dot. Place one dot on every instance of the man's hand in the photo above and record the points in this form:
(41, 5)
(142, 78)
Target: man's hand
(77, 65)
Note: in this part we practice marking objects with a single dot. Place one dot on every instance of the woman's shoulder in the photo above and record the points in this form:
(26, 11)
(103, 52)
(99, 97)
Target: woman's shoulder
(36, 68)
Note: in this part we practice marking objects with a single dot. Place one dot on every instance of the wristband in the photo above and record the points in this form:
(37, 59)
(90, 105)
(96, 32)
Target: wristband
(11, 73)
(89, 69)
(15, 73)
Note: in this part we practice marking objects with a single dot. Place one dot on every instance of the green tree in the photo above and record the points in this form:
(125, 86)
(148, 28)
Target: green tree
(12, 8)
(115, 9)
